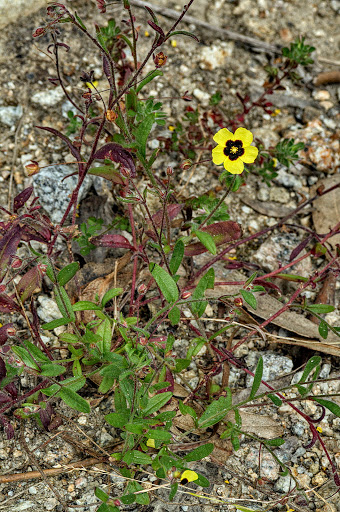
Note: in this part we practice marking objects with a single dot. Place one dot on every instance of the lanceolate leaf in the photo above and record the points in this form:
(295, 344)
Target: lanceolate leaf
(28, 283)
(117, 241)
(75, 152)
(222, 232)
(108, 172)
(172, 212)
(66, 274)
(207, 281)
(22, 198)
(7, 305)
(257, 379)
(73, 400)
(8, 246)
(216, 411)
(118, 154)
(165, 282)
(177, 257)
(333, 407)
(142, 133)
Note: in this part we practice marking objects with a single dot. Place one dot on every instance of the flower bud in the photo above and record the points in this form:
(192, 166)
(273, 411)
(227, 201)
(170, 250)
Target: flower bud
(125, 172)
(16, 262)
(143, 341)
(186, 295)
(186, 165)
(2, 288)
(169, 171)
(111, 116)
(160, 60)
(141, 289)
(39, 32)
(32, 168)
(238, 302)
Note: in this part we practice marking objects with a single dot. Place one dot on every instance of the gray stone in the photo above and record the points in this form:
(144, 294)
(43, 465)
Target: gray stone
(48, 98)
(54, 194)
(279, 195)
(274, 365)
(48, 309)
(287, 179)
(284, 484)
(10, 12)
(10, 115)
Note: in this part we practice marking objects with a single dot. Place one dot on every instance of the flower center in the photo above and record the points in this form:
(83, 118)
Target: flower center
(233, 149)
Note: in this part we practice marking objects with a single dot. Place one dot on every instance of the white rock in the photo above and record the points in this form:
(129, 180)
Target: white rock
(18, 9)
(215, 56)
(48, 98)
(202, 96)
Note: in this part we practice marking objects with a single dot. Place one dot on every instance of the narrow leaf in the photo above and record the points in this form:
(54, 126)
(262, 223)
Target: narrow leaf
(321, 309)
(177, 257)
(323, 329)
(207, 240)
(199, 453)
(257, 378)
(110, 294)
(249, 298)
(165, 283)
(65, 275)
(148, 78)
(207, 281)
(118, 154)
(215, 411)
(73, 400)
(174, 315)
(331, 406)
(156, 402)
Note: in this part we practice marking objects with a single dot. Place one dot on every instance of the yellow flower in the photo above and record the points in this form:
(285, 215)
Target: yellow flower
(146, 33)
(319, 429)
(234, 149)
(150, 443)
(188, 476)
(173, 43)
(92, 85)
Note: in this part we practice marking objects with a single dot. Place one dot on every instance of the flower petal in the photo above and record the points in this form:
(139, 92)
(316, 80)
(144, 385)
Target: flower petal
(244, 135)
(222, 136)
(234, 166)
(218, 155)
(250, 154)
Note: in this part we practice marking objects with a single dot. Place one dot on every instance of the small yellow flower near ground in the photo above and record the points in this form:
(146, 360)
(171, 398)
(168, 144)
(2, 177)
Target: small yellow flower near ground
(171, 128)
(146, 33)
(234, 149)
(92, 85)
(188, 476)
(319, 429)
(150, 443)
(173, 43)
(276, 112)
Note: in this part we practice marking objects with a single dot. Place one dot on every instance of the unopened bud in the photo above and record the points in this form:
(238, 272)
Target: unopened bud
(238, 302)
(39, 32)
(186, 295)
(117, 503)
(141, 289)
(42, 267)
(16, 262)
(169, 171)
(32, 168)
(11, 331)
(160, 60)
(186, 165)
(2, 288)
(143, 341)
(125, 172)
(111, 116)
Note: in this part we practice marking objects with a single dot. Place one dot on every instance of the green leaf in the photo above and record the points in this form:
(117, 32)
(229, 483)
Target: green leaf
(184, 33)
(207, 240)
(86, 305)
(243, 509)
(156, 402)
(73, 400)
(312, 363)
(321, 309)
(142, 132)
(331, 406)
(257, 378)
(25, 357)
(275, 399)
(249, 298)
(36, 352)
(101, 495)
(177, 257)
(173, 491)
(186, 409)
(148, 78)
(65, 275)
(63, 302)
(199, 453)
(207, 281)
(202, 481)
(136, 457)
(49, 326)
(105, 332)
(165, 282)
(323, 329)
(52, 370)
(110, 294)
(275, 442)
(159, 435)
(174, 315)
(106, 384)
(181, 364)
(117, 419)
(80, 21)
(169, 343)
(216, 411)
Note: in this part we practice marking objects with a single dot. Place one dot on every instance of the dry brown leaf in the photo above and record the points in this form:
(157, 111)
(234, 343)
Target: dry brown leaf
(258, 424)
(326, 211)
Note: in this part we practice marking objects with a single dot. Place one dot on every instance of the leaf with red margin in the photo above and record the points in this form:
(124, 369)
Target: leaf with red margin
(222, 232)
(57, 133)
(3, 370)
(117, 241)
(28, 283)
(7, 305)
(118, 154)
(8, 246)
(7, 427)
(22, 198)
(172, 209)
(4, 332)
